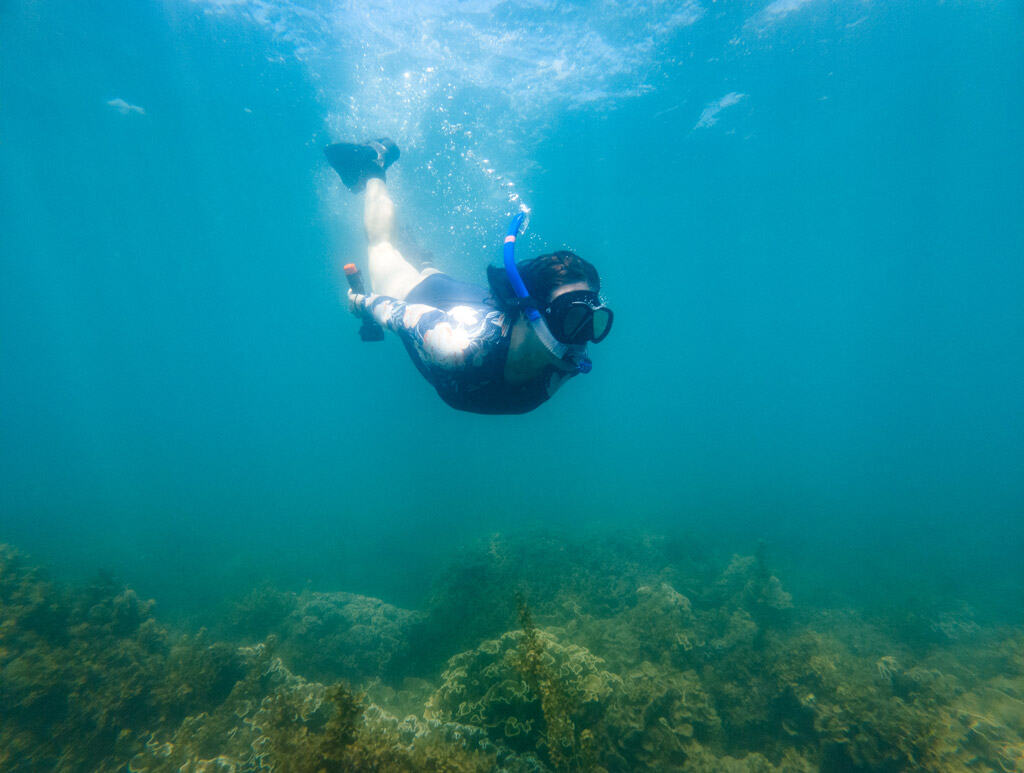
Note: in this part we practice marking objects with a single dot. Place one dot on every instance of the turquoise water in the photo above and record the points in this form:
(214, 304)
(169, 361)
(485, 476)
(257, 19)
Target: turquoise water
(819, 337)
(806, 215)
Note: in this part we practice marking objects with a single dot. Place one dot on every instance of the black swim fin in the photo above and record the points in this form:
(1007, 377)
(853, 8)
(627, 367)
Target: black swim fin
(357, 163)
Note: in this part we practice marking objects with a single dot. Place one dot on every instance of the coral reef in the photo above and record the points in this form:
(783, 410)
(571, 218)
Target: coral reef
(275, 720)
(561, 573)
(631, 655)
(333, 635)
(530, 693)
(83, 676)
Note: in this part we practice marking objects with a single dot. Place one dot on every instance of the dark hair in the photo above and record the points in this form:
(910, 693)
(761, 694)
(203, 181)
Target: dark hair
(542, 276)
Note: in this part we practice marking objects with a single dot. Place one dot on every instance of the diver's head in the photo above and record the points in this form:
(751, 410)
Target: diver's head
(546, 274)
(564, 288)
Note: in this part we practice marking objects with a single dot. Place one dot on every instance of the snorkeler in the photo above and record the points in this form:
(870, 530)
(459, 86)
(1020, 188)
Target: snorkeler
(505, 349)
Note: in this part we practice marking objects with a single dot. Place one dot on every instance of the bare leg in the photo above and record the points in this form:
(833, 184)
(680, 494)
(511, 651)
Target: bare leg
(390, 273)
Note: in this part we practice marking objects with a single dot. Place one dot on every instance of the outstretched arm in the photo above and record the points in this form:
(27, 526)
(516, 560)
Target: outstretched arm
(442, 339)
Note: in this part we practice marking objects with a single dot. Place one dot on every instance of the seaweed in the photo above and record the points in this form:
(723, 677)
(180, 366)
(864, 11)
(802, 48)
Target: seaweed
(531, 693)
(566, 748)
(646, 665)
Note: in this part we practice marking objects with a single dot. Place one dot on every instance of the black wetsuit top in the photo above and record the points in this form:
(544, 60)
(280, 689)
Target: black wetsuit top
(459, 340)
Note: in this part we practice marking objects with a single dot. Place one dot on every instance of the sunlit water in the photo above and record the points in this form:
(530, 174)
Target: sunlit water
(806, 214)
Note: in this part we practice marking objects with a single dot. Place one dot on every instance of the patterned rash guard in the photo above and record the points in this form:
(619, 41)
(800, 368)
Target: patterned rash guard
(459, 340)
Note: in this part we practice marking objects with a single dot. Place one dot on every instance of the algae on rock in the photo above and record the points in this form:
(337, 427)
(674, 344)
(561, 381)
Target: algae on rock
(329, 636)
(645, 665)
(530, 693)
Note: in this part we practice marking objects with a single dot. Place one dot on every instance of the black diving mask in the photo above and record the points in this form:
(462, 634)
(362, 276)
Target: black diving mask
(577, 317)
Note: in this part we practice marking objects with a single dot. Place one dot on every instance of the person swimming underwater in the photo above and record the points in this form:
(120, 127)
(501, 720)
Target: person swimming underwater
(499, 350)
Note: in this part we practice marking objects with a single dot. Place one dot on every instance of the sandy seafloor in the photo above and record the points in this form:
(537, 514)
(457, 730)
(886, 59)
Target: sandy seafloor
(777, 528)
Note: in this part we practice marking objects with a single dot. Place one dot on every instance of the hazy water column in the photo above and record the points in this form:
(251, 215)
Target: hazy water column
(805, 215)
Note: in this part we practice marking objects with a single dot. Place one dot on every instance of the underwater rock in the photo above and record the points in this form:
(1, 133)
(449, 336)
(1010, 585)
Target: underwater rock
(664, 620)
(658, 717)
(562, 573)
(739, 630)
(529, 692)
(987, 729)
(747, 583)
(701, 760)
(345, 635)
(660, 625)
(261, 612)
(726, 677)
(275, 720)
(84, 676)
(404, 698)
(330, 636)
(956, 625)
(883, 716)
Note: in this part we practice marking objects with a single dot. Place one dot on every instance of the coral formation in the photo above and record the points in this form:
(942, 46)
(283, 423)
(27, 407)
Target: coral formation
(275, 720)
(530, 693)
(630, 656)
(333, 635)
(83, 676)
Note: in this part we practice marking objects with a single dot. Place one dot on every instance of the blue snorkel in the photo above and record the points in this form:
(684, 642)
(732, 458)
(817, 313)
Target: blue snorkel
(577, 355)
(510, 264)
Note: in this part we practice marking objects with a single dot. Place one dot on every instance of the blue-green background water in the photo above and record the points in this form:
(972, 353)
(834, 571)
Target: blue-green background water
(818, 287)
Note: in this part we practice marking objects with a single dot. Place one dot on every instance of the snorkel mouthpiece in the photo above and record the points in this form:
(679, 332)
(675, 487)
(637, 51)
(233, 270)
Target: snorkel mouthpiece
(575, 354)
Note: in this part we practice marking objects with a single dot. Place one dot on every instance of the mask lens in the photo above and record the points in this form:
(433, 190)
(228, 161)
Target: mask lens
(574, 323)
(602, 324)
